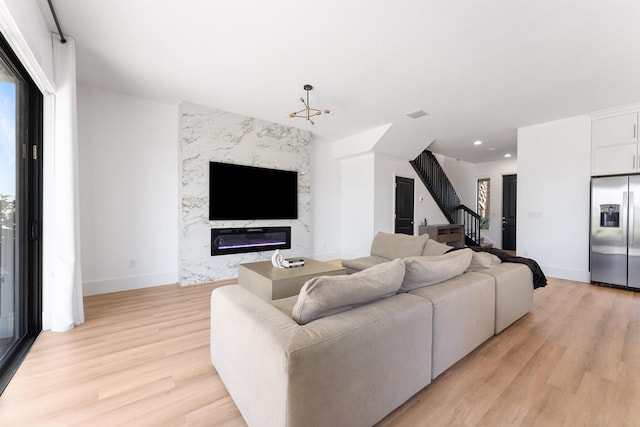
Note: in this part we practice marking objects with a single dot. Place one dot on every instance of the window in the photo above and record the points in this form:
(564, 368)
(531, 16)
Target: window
(483, 202)
(20, 212)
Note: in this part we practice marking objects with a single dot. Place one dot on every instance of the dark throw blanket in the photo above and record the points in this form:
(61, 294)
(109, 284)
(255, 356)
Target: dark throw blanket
(539, 279)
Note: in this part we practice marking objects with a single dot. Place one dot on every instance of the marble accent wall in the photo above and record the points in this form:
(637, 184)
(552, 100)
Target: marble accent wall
(207, 134)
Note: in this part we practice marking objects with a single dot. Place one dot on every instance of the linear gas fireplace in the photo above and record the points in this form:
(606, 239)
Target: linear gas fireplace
(251, 239)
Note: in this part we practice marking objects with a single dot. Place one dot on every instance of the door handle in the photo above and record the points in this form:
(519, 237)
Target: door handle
(34, 231)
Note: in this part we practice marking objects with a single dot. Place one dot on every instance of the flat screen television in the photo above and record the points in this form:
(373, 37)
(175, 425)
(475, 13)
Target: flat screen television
(249, 192)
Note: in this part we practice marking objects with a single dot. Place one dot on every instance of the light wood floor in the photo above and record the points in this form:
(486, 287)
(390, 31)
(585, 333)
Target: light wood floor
(142, 359)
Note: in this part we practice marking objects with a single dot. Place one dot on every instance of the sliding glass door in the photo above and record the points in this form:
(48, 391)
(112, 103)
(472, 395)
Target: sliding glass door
(20, 213)
(8, 244)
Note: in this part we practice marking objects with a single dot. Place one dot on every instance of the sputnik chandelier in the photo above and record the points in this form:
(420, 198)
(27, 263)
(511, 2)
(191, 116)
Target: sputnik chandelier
(307, 112)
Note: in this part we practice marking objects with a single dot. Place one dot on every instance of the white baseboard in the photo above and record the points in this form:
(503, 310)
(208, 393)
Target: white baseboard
(562, 273)
(96, 287)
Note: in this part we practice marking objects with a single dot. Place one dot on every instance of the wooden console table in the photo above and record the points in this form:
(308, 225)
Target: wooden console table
(269, 282)
(450, 234)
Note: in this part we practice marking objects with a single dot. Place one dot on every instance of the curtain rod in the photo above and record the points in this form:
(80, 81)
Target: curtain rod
(55, 18)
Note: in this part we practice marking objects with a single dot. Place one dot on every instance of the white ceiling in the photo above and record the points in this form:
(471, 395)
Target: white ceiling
(480, 69)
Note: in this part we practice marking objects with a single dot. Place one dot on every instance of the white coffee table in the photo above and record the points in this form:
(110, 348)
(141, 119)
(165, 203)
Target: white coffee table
(269, 282)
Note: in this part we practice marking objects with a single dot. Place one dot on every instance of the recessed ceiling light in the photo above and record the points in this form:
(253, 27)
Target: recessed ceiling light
(507, 155)
(492, 149)
(416, 114)
(478, 142)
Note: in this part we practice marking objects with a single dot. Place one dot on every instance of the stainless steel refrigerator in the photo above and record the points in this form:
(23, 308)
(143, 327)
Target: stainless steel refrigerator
(615, 231)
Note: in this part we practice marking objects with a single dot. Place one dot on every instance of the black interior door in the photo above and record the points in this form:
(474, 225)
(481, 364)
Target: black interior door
(509, 197)
(404, 205)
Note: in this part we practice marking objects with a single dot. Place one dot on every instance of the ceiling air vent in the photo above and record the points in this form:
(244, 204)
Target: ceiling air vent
(416, 114)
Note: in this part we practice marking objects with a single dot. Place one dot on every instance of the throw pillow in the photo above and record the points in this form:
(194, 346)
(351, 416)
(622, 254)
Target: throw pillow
(434, 247)
(391, 246)
(482, 260)
(423, 271)
(326, 295)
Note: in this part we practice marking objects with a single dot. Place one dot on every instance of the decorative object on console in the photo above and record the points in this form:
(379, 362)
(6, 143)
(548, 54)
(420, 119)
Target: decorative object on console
(293, 262)
(307, 112)
(277, 259)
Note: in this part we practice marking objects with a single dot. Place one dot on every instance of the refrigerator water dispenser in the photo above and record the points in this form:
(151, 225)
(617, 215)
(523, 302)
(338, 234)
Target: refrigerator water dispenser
(610, 216)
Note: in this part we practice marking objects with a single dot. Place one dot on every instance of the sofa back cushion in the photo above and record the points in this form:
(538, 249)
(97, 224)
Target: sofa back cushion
(326, 295)
(482, 260)
(433, 247)
(429, 270)
(391, 246)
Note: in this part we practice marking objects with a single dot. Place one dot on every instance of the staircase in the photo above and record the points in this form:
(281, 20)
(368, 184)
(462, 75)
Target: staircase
(432, 175)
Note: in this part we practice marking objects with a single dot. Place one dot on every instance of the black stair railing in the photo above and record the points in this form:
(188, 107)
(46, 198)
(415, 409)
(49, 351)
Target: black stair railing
(471, 221)
(435, 179)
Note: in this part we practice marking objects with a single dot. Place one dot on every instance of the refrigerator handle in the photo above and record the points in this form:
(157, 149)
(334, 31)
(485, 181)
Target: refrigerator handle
(630, 213)
(625, 216)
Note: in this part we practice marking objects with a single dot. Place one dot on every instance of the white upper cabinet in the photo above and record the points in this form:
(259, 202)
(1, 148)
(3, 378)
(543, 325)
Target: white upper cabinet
(614, 145)
(615, 130)
(615, 160)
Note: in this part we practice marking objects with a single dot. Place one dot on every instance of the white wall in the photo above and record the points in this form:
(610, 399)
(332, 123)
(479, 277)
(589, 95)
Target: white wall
(357, 215)
(386, 170)
(326, 202)
(554, 163)
(495, 171)
(462, 176)
(128, 156)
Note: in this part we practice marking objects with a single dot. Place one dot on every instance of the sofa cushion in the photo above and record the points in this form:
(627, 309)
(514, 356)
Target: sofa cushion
(433, 248)
(428, 270)
(391, 246)
(363, 263)
(463, 316)
(514, 292)
(482, 260)
(285, 305)
(326, 295)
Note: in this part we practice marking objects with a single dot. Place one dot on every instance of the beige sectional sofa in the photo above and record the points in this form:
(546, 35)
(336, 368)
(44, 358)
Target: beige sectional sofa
(387, 246)
(513, 282)
(350, 349)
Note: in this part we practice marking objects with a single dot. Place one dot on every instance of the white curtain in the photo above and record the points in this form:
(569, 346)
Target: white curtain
(63, 280)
